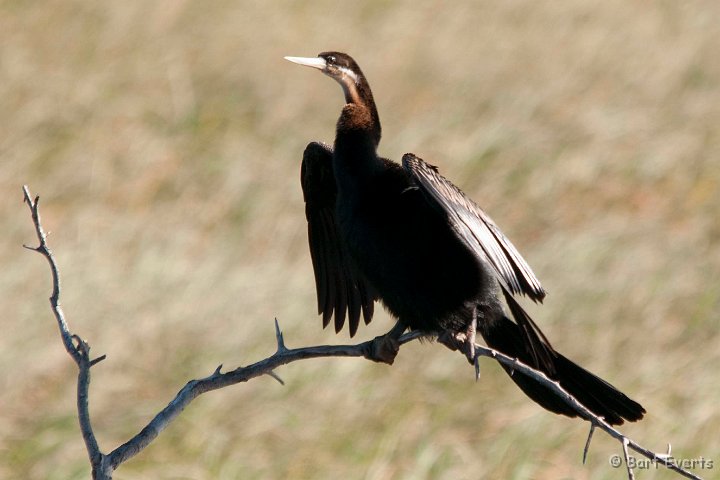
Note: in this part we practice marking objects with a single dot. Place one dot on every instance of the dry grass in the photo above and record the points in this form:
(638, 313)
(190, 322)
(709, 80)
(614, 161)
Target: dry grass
(165, 138)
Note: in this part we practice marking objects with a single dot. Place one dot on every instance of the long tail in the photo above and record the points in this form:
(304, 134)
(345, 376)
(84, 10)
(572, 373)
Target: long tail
(524, 341)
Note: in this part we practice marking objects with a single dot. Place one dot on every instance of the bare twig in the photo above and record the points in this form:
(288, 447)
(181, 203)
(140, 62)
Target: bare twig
(103, 465)
(626, 455)
(43, 249)
(217, 380)
(78, 349)
(582, 410)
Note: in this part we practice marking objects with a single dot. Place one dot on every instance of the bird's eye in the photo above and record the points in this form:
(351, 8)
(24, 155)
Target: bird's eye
(331, 59)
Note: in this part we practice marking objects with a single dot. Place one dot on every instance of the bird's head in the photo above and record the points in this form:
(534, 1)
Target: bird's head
(339, 66)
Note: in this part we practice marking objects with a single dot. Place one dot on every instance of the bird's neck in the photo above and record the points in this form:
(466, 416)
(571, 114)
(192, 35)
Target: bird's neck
(355, 155)
(359, 93)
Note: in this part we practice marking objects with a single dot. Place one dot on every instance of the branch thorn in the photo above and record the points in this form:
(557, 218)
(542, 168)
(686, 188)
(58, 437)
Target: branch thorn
(587, 442)
(276, 377)
(98, 360)
(666, 456)
(279, 337)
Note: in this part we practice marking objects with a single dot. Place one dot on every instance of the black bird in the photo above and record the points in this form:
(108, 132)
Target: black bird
(405, 235)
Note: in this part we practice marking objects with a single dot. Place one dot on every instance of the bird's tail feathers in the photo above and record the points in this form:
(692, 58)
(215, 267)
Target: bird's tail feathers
(524, 340)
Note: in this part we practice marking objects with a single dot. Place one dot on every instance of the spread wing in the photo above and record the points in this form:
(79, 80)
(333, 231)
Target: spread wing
(341, 288)
(475, 228)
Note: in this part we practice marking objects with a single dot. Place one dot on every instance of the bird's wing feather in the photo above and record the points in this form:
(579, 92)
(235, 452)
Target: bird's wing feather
(475, 228)
(341, 289)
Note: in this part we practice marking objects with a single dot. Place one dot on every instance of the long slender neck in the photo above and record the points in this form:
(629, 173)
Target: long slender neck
(357, 92)
(355, 159)
(366, 97)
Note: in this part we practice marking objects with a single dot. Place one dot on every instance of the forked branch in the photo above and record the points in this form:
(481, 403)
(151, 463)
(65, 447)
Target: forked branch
(103, 465)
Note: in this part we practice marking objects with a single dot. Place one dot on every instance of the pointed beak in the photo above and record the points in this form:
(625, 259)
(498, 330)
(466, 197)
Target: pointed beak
(314, 62)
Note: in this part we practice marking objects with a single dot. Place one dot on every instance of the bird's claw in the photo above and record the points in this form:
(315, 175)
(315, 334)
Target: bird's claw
(383, 349)
(464, 343)
(452, 340)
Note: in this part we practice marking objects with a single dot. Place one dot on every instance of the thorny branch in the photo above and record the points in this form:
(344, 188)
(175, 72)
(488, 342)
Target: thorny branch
(103, 465)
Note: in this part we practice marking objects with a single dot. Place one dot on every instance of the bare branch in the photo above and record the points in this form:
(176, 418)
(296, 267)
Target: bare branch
(581, 410)
(103, 465)
(43, 249)
(217, 380)
(79, 351)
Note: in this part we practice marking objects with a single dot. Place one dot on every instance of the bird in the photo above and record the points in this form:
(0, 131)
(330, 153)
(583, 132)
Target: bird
(404, 235)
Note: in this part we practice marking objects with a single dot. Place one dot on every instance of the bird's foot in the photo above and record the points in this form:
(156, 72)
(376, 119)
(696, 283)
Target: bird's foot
(465, 343)
(470, 350)
(453, 340)
(383, 349)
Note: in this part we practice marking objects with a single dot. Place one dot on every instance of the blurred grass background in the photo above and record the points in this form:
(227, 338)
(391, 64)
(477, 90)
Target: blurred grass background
(165, 140)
